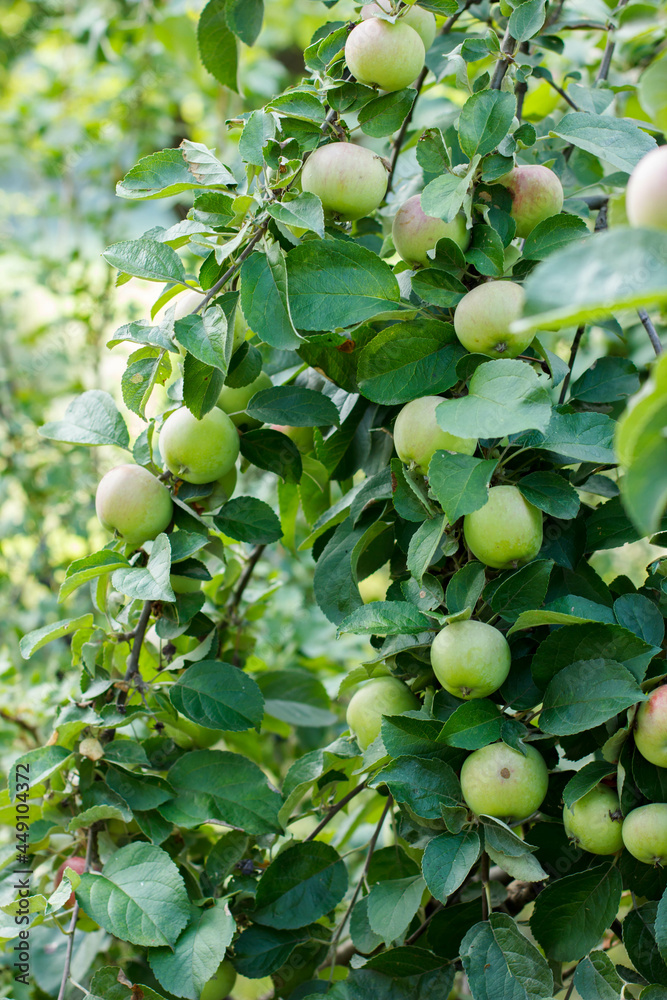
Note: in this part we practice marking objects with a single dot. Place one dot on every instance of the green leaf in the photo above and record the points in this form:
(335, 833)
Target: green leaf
(149, 582)
(587, 693)
(500, 961)
(572, 914)
(460, 483)
(639, 938)
(140, 896)
(195, 958)
(606, 381)
(36, 766)
(39, 637)
(465, 587)
(510, 852)
(259, 127)
(301, 885)
(205, 337)
(596, 978)
(248, 520)
(423, 785)
(148, 259)
(385, 618)
(334, 582)
(293, 405)
(619, 142)
(259, 951)
(91, 418)
(304, 211)
(204, 164)
(585, 642)
(552, 234)
(485, 120)
(413, 359)
(505, 397)
(526, 19)
(218, 48)
(444, 196)
(106, 985)
(217, 785)
(244, 17)
(264, 298)
(145, 368)
(392, 904)
(219, 696)
(295, 697)
(641, 616)
(515, 592)
(551, 493)
(472, 725)
(486, 251)
(164, 174)
(584, 780)
(423, 546)
(601, 277)
(359, 285)
(273, 451)
(575, 437)
(447, 861)
(201, 385)
(89, 568)
(384, 115)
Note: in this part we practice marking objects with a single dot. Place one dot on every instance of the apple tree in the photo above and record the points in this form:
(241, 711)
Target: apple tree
(409, 334)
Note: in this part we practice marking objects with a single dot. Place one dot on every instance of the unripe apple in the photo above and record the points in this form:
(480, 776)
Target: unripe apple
(199, 451)
(303, 437)
(385, 55)
(223, 490)
(595, 821)
(77, 864)
(422, 21)
(184, 584)
(240, 329)
(506, 532)
(133, 503)
(537, 194)
(651, 727)
(187, 734)
(645, 833)
(470, 659)
(235, 401)
(221, 984)
(646, 193)
(483, 318)
(501, 782)
(417, 435)
(374, 587)
(349, 180)
(414, 232)
(380, 696)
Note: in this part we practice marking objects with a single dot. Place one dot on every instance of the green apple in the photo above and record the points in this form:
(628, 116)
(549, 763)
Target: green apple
(645, 833)
(133, 503)
(240, 329)
(303, 437)
(417, 435)
(537, 194)
(414, 232)
(470, 659)
(350, 181)
(187, 734)
(184, 584)
(651, 727)
(374, 587)
(595, 821)
(199, 451)
(384, 55)
(506, 532)
(380, 696)
(221, 984)
(235, 401)
(646, 193)
(422, 21)
(483, 318)
(501, 782)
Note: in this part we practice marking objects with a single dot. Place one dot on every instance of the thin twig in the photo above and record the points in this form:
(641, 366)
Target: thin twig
(507, 50)
(559, 90)
(484, 873)
(573, 354)
(605, 65)
(21, 723)
(231, 271)
(135, 652)
(244, 579)
(647, 323)
(335, 810)
(423, 927)
(75, 916)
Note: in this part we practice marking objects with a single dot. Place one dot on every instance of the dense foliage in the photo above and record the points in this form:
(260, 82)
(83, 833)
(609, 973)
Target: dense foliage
(452, 415)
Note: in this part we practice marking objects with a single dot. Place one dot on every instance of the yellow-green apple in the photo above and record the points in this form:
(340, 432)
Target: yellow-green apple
(235, 401)
(506, 532)
(414, 232)
(187, 734)
(483, 318)
(651, 727)
(380, 696)
(645, 833)
(470, 659)
(646, 193)
(499, 781)
(595, 820)
(303, 437)
(384, 55)
(221, 984)
(374, 587)
(423, 21)
(199, 451)
(133, 503)
(537, 194)
(417, 435)
(349, 180)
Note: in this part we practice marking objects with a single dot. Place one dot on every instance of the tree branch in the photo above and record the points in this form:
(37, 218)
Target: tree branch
(573, 354)
(75, 916)
(244, 579)
(507, 49)
(651, 330)
(21, 723)
(335, 810)
(605, 65)
(559, 90)
(231, 271)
